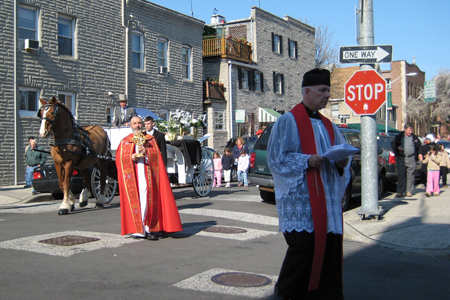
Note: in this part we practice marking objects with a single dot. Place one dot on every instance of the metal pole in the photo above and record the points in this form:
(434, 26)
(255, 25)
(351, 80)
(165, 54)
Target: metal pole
(369, 168)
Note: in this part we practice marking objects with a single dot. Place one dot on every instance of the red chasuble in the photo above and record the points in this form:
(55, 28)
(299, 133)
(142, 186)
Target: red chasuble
(162, 211)
(315, 188)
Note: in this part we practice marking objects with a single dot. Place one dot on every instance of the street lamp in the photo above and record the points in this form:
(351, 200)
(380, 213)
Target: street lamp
(412, 74)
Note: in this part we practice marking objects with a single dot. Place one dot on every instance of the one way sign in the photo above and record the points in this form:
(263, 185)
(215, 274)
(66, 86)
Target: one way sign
(366, 54)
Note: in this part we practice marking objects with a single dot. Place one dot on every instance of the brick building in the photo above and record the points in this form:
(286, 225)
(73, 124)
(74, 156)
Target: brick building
(260, 61)
(86, 53)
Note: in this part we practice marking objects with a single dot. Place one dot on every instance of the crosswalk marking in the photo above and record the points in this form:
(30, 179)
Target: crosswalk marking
(232, 215)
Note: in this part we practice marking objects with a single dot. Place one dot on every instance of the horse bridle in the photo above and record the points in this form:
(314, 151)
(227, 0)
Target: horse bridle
(55, 113)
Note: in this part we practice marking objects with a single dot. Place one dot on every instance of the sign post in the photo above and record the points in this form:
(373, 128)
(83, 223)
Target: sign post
(430, 91)
(366, 54)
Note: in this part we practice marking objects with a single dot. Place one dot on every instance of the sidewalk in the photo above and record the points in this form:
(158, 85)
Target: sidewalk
(416, 224)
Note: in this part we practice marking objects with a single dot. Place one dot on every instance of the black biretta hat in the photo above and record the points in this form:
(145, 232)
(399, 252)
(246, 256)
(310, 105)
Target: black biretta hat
(316, 77)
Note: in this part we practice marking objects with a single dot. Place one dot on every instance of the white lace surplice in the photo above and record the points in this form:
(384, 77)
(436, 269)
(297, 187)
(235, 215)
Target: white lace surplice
(288, 166)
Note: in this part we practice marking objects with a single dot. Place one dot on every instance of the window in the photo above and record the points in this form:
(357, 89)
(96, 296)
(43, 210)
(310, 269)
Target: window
(137, 46)
(28, 101)
(292, 48)
(109, 115)
(218, 120)
(28, 23)
(278, 83)
(69, 100)
(277, 43)
(186, 62)
(162, 52)
(164, 114)
(335, 110)
(65, 36)
(244, 76)
(258, 82)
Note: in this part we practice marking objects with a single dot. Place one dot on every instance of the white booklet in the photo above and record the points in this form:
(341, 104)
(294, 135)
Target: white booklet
(339, 152)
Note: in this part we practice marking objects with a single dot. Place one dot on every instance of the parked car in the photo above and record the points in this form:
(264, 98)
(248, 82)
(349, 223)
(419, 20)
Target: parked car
(260, 173)
(45, 180)
(446, 145)
(249, 142)
(384, 142)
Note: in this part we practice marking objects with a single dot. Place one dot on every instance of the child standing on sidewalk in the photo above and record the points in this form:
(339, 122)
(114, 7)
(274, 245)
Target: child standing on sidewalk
(444, 165)
(433, 159)
(227, 164)
(217, 169)
(243, 164)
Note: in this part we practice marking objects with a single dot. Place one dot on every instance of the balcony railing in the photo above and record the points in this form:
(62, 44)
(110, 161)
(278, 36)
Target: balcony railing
(227, 48)
(213, 90)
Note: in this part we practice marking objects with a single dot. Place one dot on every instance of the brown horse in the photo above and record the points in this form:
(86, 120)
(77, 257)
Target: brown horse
(73, 146)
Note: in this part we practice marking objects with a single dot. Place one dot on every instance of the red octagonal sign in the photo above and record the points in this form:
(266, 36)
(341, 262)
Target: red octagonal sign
(365, 92)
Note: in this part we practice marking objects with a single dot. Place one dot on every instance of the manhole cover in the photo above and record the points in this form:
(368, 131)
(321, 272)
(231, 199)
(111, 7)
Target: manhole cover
(220, 229)
(69, 240)
(241, 279)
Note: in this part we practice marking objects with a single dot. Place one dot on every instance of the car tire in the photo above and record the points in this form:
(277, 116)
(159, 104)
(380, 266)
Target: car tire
(346, 198)
(234, 174)
(267, 196)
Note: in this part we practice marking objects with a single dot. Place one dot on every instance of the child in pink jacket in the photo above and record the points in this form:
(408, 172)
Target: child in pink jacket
(217, 169)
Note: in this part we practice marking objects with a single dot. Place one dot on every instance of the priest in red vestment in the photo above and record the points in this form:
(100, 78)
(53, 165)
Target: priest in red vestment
(147, 204)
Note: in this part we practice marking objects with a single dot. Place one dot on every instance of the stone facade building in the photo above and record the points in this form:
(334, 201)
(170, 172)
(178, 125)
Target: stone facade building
(86, 53)
(260, 62)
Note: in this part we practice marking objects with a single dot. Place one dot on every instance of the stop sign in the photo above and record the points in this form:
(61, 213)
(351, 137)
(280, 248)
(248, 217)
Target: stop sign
(365, 92)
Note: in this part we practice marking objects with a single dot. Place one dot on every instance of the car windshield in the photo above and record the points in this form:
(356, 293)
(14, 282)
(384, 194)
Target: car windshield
(445, 143)
(384, 141)
(261, 143)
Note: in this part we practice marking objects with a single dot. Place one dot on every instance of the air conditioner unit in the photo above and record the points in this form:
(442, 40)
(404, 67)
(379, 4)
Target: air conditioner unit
(162, 70)
(30, 45)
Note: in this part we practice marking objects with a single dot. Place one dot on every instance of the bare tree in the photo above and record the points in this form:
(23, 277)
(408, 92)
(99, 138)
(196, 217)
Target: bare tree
(327, 53)
(442, 108)
(424, 113)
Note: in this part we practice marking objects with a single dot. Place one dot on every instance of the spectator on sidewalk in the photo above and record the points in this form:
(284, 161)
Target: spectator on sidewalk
(443, 165)
(432, 160)
(243, 164)
(406, 146)
(33, 159)
(422, 155)
(227, 165)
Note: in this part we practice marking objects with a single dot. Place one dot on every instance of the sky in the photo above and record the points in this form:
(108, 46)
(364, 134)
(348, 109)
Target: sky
(414, 28)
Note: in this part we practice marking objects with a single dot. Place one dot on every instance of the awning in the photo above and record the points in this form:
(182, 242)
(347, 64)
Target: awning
(268, 115)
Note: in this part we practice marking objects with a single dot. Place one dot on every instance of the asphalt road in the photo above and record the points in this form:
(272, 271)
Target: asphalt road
(185, 265)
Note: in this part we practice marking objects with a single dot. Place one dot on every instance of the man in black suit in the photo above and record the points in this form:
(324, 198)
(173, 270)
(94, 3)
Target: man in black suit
(159, 136)
(124, 113)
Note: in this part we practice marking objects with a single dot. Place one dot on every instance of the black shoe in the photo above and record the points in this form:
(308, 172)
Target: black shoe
(26, 186)
(152, 237)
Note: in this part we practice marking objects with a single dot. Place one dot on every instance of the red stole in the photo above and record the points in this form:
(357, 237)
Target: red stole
(162, 212)
(315, 188)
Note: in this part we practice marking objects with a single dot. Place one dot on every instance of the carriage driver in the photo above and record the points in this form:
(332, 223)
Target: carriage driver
(143, 196)
(123, 113)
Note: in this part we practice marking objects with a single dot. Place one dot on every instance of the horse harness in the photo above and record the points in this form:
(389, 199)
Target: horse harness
(76, 140)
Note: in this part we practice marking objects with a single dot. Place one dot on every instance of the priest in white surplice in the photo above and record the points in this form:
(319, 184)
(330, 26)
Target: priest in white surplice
(308, 190)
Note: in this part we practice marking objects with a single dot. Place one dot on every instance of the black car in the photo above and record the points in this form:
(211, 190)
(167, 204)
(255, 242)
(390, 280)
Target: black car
(260, 173)
(249, 142)
(45, 180)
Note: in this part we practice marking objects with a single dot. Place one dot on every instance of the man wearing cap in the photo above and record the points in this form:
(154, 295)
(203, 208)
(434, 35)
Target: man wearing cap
(406, 147)
(308, 191)
(124, 113)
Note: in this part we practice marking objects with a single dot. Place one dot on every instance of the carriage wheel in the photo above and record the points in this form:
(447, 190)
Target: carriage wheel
(110, 188)
(204, 174)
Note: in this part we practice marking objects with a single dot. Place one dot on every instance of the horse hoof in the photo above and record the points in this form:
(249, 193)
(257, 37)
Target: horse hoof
(63, 212)
(98, 205)
(83, 204)
(72, 207)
